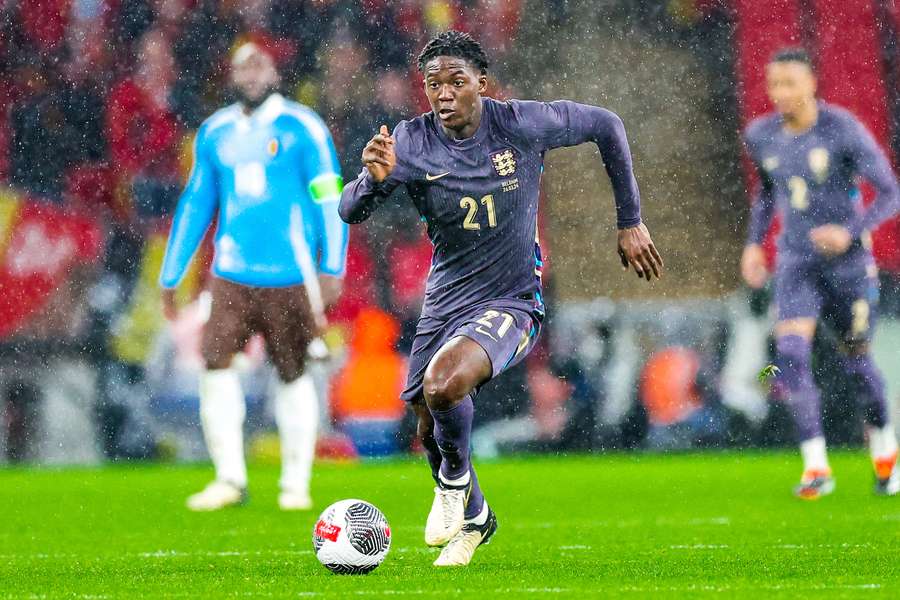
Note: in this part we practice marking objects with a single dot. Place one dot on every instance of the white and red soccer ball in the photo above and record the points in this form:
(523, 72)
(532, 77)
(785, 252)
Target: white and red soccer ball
(351, 537)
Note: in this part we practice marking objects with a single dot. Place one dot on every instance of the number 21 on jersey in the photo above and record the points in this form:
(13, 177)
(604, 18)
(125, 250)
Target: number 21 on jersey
(471, 205)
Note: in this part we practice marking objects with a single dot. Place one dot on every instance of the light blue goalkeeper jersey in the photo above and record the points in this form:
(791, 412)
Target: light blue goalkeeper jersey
(273, 178)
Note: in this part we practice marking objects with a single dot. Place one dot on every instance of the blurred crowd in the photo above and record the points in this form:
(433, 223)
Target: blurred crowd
(120, 82)
(99, 100)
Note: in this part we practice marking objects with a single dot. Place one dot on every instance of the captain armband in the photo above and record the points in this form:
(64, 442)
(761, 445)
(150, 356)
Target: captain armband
(326, 188)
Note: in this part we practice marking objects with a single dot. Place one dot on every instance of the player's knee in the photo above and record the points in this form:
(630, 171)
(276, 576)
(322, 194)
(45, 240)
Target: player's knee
(794, 353)
(443, 390)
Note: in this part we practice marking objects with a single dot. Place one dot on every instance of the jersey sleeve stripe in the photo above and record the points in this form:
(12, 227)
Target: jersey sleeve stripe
(303, 256)
(337, 240)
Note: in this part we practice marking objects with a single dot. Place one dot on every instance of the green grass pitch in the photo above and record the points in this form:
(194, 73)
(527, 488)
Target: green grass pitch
(711, 525)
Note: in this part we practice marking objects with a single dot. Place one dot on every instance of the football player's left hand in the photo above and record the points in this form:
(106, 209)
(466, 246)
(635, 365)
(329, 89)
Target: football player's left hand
(831, 240)
(636, 249)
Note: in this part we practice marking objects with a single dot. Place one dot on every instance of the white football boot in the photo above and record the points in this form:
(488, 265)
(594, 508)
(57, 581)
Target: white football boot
(447, 514)
(217, 495)
(293, 500)
(461, 549)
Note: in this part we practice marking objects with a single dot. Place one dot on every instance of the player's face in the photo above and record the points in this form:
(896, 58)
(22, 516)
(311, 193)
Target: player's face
(454, 89)
(791, 86)
(254, 76)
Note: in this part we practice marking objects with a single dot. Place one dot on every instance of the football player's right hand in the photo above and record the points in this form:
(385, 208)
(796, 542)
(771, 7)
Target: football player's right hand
(753, 266)
(378, 155)
(637, 250)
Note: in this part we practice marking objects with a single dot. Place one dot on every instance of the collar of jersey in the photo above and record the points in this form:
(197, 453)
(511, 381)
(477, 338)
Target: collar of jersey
(266, 112)
(822, 106)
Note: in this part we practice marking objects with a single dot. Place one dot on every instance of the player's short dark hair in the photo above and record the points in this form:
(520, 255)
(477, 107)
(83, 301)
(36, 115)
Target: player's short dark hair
(454, 43)
(794, 54)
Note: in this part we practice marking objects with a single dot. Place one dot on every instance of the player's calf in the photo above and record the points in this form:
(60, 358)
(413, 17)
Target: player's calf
(452, 375)
(860, 367)
(425, 431)
(794, 363)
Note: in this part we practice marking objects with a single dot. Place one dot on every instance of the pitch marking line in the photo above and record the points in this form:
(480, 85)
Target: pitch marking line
(456, 592)
(164, 554)
(528, 590)
(728, 588)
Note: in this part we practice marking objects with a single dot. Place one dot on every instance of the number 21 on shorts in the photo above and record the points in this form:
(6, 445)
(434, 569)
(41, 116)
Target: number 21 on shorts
(487, 321)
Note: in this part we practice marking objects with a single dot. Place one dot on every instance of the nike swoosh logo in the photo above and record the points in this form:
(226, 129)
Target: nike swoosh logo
(433, 177)
(480, 330)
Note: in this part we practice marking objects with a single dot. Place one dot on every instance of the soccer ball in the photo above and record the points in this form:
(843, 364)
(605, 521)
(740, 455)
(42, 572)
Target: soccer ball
(351, 537)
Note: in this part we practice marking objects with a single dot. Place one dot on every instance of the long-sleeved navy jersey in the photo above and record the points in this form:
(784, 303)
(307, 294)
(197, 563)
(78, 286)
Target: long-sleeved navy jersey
(479, 196)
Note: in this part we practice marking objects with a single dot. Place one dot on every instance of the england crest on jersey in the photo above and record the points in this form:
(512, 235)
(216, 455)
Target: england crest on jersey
(504, 162)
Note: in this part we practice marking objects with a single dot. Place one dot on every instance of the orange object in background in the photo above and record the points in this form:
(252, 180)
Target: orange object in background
(668, 385)
(369, 385)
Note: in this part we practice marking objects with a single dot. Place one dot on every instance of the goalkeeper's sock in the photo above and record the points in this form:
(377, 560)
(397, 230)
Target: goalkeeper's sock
(222, 412)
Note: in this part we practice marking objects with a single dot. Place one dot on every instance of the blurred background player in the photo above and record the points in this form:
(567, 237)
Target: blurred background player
(268, 168)
(473, 166)
(808, 155)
